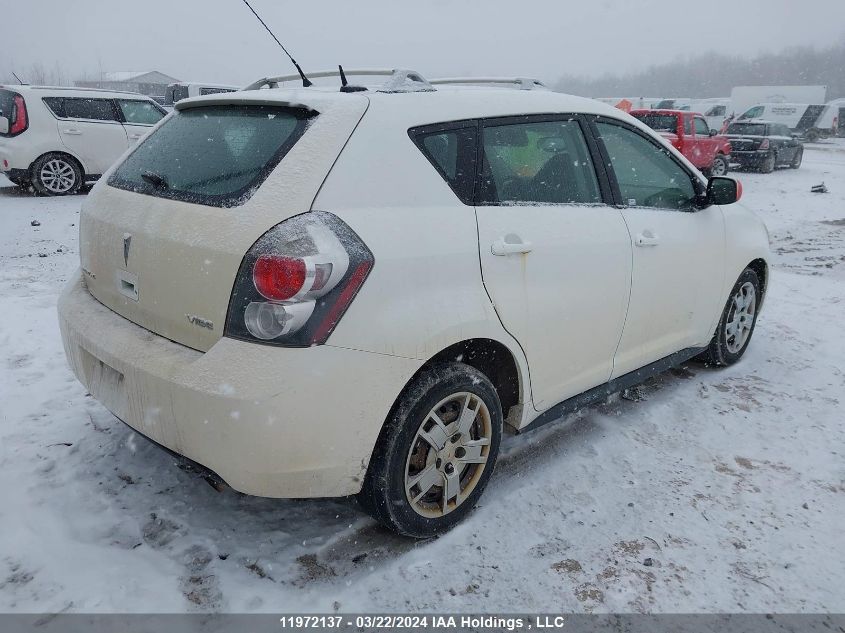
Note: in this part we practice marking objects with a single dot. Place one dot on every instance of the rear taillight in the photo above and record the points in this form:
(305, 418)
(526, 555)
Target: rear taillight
(764, 144)
(19, 119)
(297, 280)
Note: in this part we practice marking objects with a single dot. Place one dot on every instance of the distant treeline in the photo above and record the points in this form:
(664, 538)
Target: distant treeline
(713, 75)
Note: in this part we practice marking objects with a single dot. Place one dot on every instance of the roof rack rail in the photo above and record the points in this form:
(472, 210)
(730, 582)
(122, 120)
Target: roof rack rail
(523, 83)
(398, 79)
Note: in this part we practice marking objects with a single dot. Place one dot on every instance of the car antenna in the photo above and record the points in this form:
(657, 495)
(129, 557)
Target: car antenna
(344, 85)
(19, 79)
(305, 82)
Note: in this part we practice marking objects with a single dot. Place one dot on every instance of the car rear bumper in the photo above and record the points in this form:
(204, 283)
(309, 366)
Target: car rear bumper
(753, 157)
(274, 422)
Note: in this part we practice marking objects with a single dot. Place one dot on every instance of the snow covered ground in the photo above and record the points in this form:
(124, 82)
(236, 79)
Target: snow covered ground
(722, 490)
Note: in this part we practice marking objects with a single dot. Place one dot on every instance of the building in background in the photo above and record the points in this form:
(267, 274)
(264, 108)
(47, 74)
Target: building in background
(151, 82)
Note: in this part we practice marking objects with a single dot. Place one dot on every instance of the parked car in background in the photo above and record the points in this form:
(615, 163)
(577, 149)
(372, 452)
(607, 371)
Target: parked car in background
(800, 118)
(689, 133)
(57, 139)
(183, 90)
(244, 301)
(764, 145)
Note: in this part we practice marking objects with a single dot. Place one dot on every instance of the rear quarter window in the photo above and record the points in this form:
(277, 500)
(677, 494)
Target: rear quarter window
(213, 155)
(94, 109)
(7, 100)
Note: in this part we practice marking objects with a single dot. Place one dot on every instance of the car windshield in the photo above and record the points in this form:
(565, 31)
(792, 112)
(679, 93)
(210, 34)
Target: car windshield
(747, 129)
(660, 122)
(214, 155)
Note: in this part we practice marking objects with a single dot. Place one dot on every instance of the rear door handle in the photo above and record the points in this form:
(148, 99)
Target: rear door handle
(135, 137)
(647, 238)
(73, 132)
(510, 245)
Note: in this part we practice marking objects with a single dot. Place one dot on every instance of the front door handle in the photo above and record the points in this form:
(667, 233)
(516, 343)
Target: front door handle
(135, 137)
(647, 238)
(73, 132)
(510, 245)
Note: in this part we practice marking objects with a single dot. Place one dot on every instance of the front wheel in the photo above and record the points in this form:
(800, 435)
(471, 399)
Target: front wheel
(796, 161)
(719, 166)
(733, 334)
(435, 453)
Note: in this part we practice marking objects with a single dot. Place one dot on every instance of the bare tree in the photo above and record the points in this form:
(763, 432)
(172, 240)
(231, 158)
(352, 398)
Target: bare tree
(713, 75)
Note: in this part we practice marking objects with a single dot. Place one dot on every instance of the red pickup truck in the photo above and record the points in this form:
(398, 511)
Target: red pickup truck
(689, 133)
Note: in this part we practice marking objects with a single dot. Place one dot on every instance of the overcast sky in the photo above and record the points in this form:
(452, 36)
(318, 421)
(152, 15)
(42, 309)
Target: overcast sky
(220, 41)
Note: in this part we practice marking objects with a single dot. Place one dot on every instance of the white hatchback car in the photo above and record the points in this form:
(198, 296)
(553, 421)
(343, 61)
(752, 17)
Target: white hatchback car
(57, 139)
(318, 293)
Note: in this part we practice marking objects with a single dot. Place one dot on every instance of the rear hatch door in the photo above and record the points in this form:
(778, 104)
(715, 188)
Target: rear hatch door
(163, 235)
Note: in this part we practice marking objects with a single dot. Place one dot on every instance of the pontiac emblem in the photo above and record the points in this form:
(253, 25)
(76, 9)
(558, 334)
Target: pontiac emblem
(127, 243)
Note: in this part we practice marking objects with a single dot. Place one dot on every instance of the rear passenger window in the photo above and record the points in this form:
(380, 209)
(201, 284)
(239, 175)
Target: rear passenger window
(96, 109)
(453, 154)
(537, 163)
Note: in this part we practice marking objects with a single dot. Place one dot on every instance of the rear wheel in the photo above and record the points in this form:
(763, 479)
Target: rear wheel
(733, 334)
(768, 164)
(796, 161)
(56, 175)
(719, 166)
(436, 452)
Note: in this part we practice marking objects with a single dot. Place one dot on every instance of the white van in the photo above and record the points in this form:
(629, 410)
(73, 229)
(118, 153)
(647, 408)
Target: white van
(183, 90)
(801, 118)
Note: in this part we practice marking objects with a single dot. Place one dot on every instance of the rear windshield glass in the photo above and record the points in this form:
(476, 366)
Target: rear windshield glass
(747, 129)
(660, 122)
(213, 155)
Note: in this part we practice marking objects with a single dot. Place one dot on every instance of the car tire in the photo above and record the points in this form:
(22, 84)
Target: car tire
(736, 325)
(812, 135)
(719, 167)
(796, 161)
(56, 174)
(445, 428)
(768, 165)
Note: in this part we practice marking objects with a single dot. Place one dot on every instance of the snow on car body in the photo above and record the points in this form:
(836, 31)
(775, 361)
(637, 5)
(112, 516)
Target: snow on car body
(309, 331)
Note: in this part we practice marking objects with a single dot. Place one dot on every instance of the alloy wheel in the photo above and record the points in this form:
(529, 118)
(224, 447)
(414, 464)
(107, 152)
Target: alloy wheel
(57, 176)
(740, 317)
(448, 455)
(719, 167)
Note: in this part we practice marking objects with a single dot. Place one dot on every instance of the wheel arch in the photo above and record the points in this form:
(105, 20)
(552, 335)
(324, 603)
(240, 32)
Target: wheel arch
(495, 360)
(761, 268)
(63, 152)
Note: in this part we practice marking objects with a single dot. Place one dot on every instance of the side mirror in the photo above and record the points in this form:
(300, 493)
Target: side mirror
(723, 190)
(713, 132)
(4, 125)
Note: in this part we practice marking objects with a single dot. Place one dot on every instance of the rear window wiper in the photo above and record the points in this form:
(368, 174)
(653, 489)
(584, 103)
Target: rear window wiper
(156, 180)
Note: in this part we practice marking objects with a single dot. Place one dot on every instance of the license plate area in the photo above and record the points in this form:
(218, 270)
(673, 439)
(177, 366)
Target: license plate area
(105, 383)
